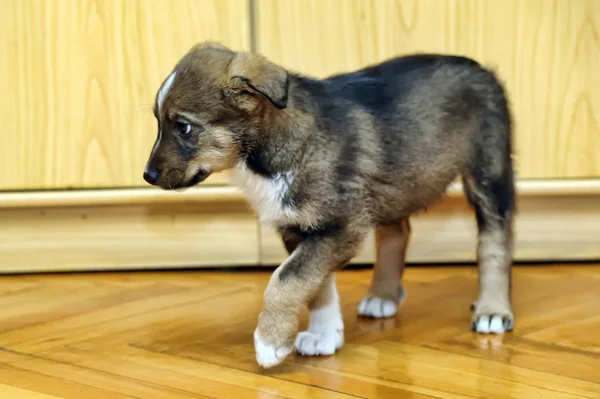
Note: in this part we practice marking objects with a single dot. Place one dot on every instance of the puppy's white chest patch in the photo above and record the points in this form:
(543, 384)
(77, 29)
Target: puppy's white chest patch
(268, 195)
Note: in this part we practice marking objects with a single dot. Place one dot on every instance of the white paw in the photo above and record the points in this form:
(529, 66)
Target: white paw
(268, 356)
(492, 324)
(375, 307)
(319, 344)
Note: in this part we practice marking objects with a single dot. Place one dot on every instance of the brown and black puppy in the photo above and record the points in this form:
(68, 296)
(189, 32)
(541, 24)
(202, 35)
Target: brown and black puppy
(324, 161)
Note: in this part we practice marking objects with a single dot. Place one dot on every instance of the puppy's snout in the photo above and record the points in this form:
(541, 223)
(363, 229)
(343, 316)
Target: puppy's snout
(151, 174)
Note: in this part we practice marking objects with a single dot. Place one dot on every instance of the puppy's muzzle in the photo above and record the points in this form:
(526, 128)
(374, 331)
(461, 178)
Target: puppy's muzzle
(151, 175)
(198, 178)
(172, 180)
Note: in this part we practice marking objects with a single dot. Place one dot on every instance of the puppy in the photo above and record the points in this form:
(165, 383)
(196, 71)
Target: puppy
(324, 161)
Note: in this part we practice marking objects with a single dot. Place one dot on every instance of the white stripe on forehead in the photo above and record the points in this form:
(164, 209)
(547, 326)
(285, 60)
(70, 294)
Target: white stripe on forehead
(162, 93)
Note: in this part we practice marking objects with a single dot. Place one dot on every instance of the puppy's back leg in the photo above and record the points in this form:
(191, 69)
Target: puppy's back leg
(489, 186)
(386, 292)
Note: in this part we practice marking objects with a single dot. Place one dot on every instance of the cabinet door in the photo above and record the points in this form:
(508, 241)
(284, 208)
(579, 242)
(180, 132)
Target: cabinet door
(78, 81)
(547, 52)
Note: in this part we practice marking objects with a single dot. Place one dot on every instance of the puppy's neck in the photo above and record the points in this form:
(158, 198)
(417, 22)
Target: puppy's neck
(287, 134)
(260, 161)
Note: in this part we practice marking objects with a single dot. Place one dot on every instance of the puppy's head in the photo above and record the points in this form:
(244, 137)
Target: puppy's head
(210, 110)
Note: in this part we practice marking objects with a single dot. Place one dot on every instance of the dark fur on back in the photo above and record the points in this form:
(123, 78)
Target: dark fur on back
(395, 135)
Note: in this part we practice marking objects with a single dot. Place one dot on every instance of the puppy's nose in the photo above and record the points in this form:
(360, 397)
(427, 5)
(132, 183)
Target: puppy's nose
(151, 174)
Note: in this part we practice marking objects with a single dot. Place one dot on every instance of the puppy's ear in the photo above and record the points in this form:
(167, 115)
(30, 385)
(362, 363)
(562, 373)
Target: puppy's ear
(251, 73)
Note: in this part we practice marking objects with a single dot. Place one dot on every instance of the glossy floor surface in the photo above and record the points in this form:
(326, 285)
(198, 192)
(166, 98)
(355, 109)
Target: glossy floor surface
(156, 335)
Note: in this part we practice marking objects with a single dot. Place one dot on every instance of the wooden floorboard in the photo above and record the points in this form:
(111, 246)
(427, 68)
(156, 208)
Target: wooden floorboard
(188, 334)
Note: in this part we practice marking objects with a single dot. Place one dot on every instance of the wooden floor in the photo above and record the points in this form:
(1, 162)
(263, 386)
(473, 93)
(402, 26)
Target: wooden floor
(171, 335)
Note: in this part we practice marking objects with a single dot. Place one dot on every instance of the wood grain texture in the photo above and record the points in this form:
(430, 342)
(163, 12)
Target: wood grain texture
(121, 197)
(137, 236)
(12, 392)
(547, 52)
(79, 78)
(189, 335)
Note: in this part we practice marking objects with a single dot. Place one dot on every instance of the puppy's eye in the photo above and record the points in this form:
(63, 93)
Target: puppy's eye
(183, 128)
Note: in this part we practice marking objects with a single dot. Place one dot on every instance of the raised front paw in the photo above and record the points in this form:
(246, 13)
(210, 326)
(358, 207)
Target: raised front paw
(319, 344)
(269, 354)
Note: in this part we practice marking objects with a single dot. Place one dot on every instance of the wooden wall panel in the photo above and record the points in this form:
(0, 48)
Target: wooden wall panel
(78, 80)
(547, 51)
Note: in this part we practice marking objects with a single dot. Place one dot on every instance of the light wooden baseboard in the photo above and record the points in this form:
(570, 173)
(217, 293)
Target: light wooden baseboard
(214, 227)
(555, 221)
(126, 229)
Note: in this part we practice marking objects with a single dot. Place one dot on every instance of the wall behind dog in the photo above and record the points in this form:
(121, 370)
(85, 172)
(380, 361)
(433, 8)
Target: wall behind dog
(547, 51)
(79, 77)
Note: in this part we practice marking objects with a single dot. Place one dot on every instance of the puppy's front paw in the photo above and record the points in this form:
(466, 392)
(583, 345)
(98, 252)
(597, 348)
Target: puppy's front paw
(319, 344)
(268, 355)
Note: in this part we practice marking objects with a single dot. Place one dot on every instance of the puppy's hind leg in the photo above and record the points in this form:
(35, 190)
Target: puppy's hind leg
(386, 292)
(489, 185)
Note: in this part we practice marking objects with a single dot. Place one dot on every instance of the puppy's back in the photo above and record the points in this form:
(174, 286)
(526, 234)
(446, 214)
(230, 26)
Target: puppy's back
(428, 118)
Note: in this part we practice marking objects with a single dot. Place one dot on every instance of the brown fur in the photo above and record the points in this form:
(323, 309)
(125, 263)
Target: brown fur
(392, 242)
(325, 161)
